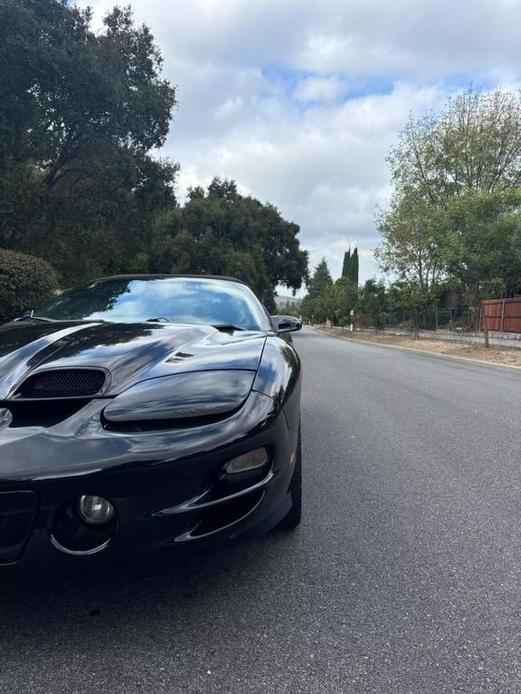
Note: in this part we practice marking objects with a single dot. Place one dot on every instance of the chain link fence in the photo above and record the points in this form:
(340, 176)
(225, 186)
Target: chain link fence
(458, 319)
(454, 324)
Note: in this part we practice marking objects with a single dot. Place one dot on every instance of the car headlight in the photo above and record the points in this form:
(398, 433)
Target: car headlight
(182, 396)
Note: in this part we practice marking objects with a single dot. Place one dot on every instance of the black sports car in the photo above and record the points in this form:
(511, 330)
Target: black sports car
(145, 412)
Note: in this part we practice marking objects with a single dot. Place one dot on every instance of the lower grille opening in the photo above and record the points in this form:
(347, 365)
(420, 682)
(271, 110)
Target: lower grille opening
(42, 413)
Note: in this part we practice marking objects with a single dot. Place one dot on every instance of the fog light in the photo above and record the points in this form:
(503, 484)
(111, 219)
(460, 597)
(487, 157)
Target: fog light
(95, 510)
(247, 462)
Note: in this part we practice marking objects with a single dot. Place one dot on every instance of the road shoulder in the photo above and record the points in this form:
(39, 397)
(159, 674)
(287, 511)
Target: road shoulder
(507, 359)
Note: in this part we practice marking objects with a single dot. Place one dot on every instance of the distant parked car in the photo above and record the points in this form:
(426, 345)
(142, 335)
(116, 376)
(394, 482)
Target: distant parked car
(144, 412)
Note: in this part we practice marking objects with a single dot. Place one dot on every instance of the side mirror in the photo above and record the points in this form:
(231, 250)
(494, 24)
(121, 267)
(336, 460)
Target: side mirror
(286, 324)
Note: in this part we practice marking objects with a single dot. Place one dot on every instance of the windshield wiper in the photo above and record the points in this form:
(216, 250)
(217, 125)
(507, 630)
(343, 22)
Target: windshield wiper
(226, 327)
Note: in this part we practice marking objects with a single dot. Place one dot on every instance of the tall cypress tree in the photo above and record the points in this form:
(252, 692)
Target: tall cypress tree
(346, 264)
(353, 268)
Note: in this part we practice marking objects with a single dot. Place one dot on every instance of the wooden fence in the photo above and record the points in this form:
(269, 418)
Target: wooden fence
(501, 315)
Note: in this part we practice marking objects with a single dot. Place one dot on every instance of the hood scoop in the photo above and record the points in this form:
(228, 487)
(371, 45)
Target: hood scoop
(62, 383)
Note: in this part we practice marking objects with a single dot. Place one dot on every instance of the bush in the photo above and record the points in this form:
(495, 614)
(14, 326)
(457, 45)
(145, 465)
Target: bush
(25, 281)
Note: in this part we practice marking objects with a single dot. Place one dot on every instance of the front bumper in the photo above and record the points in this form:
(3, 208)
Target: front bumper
(167, 486)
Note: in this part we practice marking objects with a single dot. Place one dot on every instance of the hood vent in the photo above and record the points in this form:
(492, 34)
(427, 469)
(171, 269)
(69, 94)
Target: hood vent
(62, 383)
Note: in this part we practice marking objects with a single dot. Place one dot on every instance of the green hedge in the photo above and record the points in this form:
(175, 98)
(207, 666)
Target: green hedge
(25, 282)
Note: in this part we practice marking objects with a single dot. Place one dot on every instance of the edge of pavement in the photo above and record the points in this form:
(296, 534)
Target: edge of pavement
(437, 355)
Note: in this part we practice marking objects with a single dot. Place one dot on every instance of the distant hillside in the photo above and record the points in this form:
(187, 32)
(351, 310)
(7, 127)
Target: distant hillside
(281, 300)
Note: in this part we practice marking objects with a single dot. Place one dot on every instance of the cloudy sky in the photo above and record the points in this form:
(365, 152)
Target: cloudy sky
(300, 100)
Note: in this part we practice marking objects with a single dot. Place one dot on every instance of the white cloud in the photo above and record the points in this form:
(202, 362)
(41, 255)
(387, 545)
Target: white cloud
(300, 100)
(325, 169)
(320, 89)
(229, 107)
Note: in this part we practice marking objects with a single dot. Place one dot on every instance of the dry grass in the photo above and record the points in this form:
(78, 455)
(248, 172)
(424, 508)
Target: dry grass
(494, 355)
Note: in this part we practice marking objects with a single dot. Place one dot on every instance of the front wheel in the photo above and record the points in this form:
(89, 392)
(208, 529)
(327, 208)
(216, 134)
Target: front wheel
(294, 515)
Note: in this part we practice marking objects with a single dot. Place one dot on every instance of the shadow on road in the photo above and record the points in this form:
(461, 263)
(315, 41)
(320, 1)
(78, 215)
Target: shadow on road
(190, 625)
(137, 596)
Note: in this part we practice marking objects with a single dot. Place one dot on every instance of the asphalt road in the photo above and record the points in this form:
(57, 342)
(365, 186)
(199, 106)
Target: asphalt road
(405, 575)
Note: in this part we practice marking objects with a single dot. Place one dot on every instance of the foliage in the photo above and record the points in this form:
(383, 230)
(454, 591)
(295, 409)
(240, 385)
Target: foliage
(474, 144)
(221, 232)
(320, 281)
(372, 301)
(320, 285)
(24, 282)
(80, 113)
(289, 308)
(342, 303)
(354, 268)
(346, 262)
(327, 299)
(483, 248)
(345, 299)
(410, 299)
(454, 213)
(350, 266)
(414, 234)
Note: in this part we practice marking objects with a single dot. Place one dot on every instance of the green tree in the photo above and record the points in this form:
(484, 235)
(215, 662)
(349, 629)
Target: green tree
(290, 308)
(319, 303)
(350, 267)
(456, 177)
(354, 268)
(344, 294)
(219, 231)
(372, 302)
(320, 280)
(411, 300)
(414, 244)
(484, 243)
(473, 144)
(79, 112)
(25, 281)
(346, 263)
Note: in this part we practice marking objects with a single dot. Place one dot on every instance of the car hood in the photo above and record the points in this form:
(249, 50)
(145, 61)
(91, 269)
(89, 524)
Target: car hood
(128, 352)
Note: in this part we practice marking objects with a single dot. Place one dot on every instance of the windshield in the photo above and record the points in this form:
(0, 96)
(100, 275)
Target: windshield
(172, 299)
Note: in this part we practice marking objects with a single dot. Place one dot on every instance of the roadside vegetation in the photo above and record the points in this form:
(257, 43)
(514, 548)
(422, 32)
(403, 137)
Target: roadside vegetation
(453, 224)
(82, 114)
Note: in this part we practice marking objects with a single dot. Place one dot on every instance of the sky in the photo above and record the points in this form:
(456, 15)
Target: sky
(299, 101)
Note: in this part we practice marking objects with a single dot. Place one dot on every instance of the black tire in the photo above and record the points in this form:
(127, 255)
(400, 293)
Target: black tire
(294, 515)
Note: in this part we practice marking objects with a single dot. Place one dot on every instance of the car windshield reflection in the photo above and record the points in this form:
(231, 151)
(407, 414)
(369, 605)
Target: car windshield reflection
(211, 301)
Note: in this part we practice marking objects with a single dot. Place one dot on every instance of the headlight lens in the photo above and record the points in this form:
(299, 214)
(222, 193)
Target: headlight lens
(253, 460)
(95, 510)
(185, 395)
